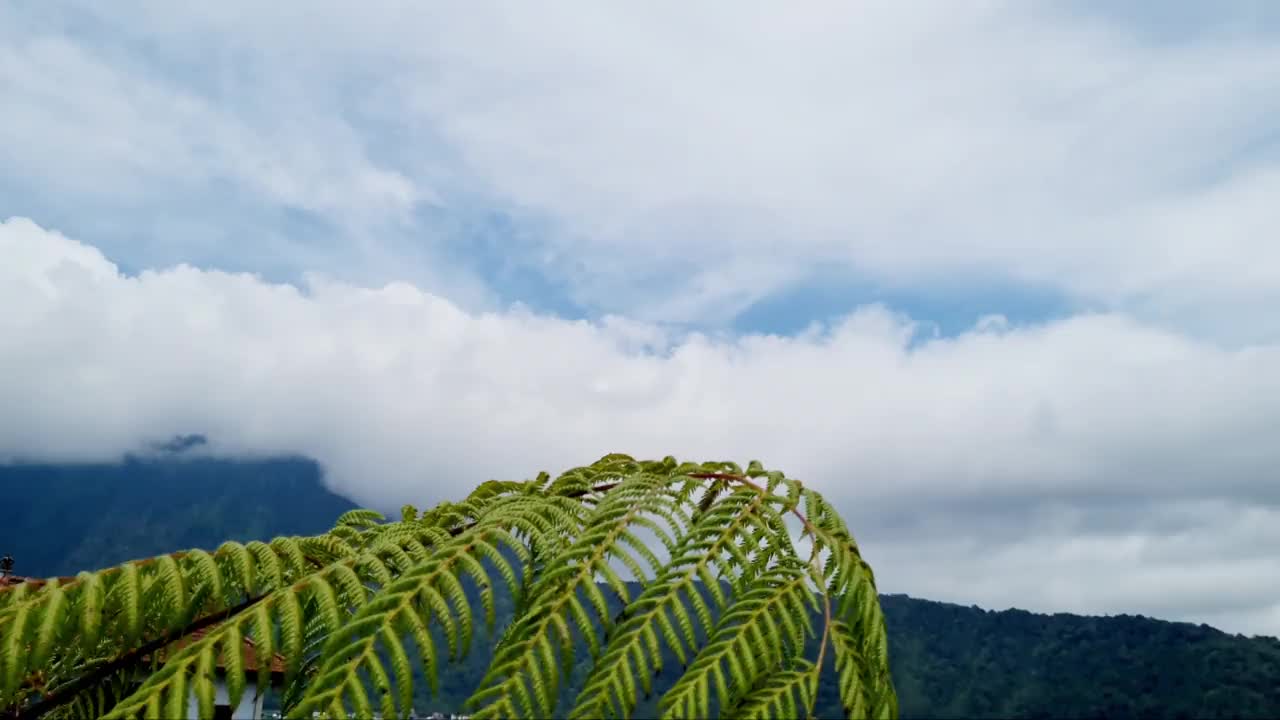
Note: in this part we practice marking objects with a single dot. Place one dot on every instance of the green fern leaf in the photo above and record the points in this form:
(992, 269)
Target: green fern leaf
(233, 663)
(203, 684)
(720, 587)
(50, 622)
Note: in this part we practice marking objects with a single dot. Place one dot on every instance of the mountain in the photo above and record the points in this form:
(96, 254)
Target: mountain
(59, 519)
(948, 661)
(955, 661)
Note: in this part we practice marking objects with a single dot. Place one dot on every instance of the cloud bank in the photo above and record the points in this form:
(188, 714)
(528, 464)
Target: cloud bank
(672, 162)
(1092, 464)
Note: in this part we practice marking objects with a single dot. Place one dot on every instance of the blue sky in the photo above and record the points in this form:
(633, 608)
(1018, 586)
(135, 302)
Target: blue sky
(953, 261)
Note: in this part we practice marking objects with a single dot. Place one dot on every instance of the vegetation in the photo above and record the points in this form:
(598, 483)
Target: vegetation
(947, 661)
(952, 661)
(726, 594)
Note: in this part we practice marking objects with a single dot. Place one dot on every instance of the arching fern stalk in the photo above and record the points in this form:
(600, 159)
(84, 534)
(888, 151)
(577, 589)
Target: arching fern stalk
(721, 585)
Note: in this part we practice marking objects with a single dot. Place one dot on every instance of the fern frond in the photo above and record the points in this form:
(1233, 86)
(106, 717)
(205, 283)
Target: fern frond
(359, 518)
(783, 695)
(746, 642)
(430, 591)
(275, 613)
(672, 591)
(633, 560)
(518, 665)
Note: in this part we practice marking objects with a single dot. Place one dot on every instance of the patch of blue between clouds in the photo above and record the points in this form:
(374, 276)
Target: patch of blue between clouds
(215, 226)
(503, 252)
(1176, 21)
(1254, 153)
(220, 227)
(502, 248)
(940, 311)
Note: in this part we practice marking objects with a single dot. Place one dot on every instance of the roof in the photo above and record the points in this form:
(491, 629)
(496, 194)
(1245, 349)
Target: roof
(10, 580)
(250, 653)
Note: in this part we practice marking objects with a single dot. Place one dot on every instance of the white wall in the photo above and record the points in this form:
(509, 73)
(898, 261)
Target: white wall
(250, 707)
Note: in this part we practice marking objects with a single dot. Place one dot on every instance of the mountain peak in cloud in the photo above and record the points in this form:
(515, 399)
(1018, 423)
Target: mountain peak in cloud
(180, 443)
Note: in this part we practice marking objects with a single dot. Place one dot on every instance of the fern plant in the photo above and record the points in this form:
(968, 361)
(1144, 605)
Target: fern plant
(723, 587)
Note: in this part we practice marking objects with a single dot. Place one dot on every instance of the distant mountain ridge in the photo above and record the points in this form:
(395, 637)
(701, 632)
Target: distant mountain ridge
(948, 661)
(146, 505)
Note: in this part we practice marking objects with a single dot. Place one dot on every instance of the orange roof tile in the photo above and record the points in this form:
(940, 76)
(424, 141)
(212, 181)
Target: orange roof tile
(250, 653)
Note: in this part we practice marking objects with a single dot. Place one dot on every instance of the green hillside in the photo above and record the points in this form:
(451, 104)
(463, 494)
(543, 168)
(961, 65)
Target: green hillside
(955, 661)
(143, 507)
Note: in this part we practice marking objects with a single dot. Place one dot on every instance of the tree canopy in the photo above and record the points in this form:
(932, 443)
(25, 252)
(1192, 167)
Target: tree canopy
(719, 569)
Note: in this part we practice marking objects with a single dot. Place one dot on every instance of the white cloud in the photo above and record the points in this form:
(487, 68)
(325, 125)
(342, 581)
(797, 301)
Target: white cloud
(1045, 466)
(84, 125)
(1215, 563)
(693, 158)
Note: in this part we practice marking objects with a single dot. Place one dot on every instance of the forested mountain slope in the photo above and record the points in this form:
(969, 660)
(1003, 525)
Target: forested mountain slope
(955, 661)
(60, 519)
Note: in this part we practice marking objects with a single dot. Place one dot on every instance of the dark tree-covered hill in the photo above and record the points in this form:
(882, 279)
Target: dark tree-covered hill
(60, 519)
(953, 661)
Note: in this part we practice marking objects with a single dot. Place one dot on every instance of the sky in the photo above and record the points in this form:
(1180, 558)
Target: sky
(1000, 278)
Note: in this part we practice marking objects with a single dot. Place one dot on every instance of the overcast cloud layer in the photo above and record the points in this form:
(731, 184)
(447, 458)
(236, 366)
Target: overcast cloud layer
(670, 162)
(302, 228)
